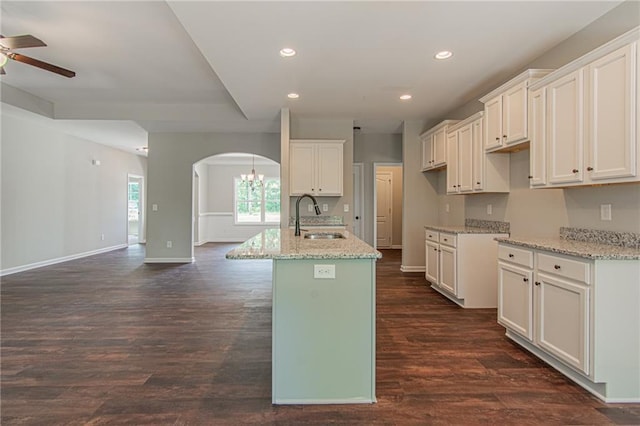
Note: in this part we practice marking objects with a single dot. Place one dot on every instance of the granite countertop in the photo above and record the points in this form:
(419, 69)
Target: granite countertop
(587, 250)
(474, 226)
(283, 244)
(463, 229)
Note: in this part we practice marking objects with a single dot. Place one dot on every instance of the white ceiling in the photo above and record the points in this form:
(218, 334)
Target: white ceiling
(194, 66)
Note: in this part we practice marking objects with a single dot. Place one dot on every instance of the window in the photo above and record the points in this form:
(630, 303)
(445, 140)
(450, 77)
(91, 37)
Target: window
(260, 204)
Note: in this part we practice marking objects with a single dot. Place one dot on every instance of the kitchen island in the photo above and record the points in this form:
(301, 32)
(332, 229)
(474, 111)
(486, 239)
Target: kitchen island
(323, 330)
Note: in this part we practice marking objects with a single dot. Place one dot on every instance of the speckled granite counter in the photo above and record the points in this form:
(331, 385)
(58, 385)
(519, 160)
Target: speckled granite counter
(474, 226)
(283, 244)
(582, 249)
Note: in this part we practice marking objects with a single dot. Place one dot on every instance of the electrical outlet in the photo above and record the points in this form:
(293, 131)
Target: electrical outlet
(169, 244)
(489, 209)
(154, 207)
(605, 211)
(102, 237)
(327, 272)
(309, 208)
(447, 208)
(346, 208)
(325, 207)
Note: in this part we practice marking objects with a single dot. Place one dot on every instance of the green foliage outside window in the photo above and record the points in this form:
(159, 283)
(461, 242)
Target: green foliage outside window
(250, 201)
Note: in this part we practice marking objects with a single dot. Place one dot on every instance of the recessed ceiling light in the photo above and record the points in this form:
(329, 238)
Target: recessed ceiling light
(286, 52)
(445, 54)
(405, 97)
(293, 96)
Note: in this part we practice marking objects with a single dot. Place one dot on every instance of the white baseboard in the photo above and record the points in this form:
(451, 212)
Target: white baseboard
(227, 240)
(169, 259)
(49, 262)
(404, 268)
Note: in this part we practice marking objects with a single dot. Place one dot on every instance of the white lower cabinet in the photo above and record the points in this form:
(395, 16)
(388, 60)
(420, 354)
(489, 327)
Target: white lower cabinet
(581, 316)
(459, 266)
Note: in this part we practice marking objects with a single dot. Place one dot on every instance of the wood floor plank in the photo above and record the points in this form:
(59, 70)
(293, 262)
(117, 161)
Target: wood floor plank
(108, 340)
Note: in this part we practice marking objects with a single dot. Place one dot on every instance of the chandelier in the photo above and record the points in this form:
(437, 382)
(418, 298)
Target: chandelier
(253, 178)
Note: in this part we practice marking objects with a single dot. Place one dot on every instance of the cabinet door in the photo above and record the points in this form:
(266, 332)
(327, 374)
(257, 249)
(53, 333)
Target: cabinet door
(302, 170)
(431, 267)
(439, 148)
(452, 163)
(612, 115)
(493, 123)
(515, 299)
(427, 152)
(514, 114)
(465, 153)
(562, 309)
(565, 126)
(478, 155)
(538, 141)
(329, 169)
(448, 280)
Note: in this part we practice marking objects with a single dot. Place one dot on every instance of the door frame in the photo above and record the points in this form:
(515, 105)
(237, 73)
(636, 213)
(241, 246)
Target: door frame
(375, 200)
(358, 200)
(141, 215)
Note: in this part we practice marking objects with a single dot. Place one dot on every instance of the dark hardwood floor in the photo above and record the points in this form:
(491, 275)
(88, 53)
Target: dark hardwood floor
(109, 340)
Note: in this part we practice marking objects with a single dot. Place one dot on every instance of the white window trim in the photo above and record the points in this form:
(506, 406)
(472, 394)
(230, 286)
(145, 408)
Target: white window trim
(263, 221)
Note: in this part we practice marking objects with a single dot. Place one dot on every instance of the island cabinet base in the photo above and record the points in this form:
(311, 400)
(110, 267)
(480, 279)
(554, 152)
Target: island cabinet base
(323, 331)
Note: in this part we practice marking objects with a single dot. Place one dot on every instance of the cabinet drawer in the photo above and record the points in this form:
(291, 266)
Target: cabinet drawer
(432, 236)
(448, 239)
(567, 268)
(515, 255)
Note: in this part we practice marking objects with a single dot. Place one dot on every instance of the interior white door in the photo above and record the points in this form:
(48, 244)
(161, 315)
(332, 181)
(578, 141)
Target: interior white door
(384, 182)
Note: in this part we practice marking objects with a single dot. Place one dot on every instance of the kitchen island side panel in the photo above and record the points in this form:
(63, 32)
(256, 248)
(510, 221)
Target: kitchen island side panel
(323, 332)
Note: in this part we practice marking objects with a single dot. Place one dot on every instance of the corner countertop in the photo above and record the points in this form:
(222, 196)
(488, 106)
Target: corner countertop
(463, 229)
(587, 250)
(283, 244)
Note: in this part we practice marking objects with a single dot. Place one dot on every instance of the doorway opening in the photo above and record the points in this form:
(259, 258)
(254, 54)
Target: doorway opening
(135, 189)
(387, 205)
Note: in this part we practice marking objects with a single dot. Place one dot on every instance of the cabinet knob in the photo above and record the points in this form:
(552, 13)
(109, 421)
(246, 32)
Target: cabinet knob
(477, 183)
(589, 169)
(575, 170)
(446, 239)
(530, 177)
(526, 280)
(504, 136)
(537, 283)
(556, 266)
(435, 249)
(510, 255)
(497, 138)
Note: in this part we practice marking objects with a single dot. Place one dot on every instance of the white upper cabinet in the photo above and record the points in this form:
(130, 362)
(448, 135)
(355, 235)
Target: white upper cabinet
(589, 128)
(505, 109)
(434, 146)
(316, 167)
(469, 168)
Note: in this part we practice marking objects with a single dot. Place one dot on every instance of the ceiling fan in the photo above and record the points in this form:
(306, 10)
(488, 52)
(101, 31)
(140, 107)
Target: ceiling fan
(8, 44)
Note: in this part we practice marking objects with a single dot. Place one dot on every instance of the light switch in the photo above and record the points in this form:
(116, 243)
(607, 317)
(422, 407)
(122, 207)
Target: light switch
(489, 209)
(346, 208)
(154, 207)
(447, 208)
(605, 211)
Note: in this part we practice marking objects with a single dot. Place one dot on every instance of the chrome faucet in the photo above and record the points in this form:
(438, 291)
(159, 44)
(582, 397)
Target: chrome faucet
(315, 205)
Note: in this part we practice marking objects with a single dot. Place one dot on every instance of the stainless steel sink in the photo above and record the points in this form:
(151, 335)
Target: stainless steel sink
(323, 235)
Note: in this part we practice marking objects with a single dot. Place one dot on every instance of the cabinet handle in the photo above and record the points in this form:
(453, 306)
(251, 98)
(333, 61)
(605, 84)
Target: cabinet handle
(526, 280)
(575, 170)
(510, 255)
(556, 266)
(537, 283)
(589, 169)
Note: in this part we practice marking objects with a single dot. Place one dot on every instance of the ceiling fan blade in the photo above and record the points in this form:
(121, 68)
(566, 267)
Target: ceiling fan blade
(21, 42)
(44, 65)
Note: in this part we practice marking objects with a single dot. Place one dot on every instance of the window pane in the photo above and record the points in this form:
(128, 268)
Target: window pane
(248, 211)
(272, 189)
